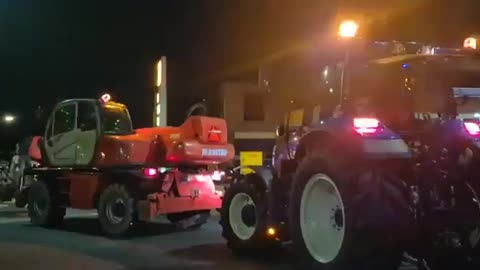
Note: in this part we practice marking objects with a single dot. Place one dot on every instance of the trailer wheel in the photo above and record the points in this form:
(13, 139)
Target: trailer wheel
(243, 218)
(189, 220)
(342, 220)
(43, 208)
(116, 210)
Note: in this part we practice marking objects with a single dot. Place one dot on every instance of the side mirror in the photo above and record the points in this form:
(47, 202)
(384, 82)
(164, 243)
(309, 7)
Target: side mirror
(280, 131)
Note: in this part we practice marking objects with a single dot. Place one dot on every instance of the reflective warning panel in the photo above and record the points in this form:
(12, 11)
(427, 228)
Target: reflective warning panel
(251, 158)
(296, 118)
(214, 134)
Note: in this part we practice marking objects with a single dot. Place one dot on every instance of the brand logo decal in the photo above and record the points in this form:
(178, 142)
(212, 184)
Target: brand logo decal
(214, 152)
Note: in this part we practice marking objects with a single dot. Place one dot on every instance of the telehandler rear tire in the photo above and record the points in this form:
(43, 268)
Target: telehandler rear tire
(43, 206)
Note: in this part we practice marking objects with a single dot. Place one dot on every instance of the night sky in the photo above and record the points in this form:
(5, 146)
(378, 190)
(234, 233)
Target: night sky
(51, 50)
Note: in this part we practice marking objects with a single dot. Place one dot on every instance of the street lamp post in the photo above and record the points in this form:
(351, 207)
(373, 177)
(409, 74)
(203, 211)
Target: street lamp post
(346, 31)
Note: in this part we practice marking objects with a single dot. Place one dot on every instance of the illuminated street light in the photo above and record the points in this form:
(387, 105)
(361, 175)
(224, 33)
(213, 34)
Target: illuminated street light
(8, 118)
(348, 29)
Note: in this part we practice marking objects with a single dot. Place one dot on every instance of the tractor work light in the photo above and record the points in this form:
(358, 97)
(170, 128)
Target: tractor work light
(348, 29)
(271, 231)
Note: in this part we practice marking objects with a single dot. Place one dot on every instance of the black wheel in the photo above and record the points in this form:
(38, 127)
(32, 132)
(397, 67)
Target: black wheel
(4, 192)
(21, 198)
(43, 206)
(340, 219)
(7, 192)
(189, 220)
(243, 218)
(21, 192)
(116, 210)
(465, 256)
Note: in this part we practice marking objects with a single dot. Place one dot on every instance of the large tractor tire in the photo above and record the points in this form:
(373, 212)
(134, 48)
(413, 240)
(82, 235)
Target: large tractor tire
(189, 220)
(43, 205)
(467, 225)
(244, 218)
(339, 219)
(116, 210)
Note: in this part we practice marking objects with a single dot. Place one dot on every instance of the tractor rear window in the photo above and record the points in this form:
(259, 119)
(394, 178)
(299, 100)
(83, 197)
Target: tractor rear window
(116, 121)
(442, 85)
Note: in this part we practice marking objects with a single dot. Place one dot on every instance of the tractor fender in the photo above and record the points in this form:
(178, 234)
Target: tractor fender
(337, 129)
(261, 177)
(385, 144)
(313, 138)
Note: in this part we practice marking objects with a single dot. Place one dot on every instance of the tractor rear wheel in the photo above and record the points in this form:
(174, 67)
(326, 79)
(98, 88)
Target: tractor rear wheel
(116, 211)
(344, 220)
(43, 206)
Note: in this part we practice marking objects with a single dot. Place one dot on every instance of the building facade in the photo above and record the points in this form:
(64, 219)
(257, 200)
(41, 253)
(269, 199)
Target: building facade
(252, 114)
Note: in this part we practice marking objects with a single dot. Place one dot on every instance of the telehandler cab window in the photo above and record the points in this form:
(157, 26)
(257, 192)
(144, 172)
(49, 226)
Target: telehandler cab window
(87, 118)
(116, 121)
(49, 129)
(64, 119)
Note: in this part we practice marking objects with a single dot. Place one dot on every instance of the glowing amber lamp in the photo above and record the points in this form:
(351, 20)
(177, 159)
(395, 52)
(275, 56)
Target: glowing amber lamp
(348, 29)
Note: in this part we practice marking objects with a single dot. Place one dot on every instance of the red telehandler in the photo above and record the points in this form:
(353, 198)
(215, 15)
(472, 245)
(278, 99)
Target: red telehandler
(91, 158)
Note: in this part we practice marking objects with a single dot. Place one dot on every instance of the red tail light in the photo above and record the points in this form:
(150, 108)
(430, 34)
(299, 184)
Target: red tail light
(150, 172)
(366, 125)
(172, 158)
(472, 128)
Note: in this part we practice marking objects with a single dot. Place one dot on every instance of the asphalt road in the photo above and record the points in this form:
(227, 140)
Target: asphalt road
(79, 244)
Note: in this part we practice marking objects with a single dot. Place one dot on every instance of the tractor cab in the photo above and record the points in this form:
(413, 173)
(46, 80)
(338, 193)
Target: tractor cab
(75, 126)
(407, 91)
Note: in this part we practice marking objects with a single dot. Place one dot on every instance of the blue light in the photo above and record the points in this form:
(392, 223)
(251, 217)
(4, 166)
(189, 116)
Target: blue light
(405, 66)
